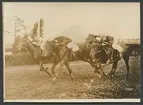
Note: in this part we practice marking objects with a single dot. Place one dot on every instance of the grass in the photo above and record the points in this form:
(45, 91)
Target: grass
(118, 86)
(33, 84)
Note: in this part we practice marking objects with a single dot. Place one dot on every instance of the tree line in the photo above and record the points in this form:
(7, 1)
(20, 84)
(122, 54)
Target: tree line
(19, 27)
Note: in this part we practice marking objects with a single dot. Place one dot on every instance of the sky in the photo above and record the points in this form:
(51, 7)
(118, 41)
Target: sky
(75, 20)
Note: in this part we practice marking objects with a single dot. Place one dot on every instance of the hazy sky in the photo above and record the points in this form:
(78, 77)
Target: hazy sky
(76, 20)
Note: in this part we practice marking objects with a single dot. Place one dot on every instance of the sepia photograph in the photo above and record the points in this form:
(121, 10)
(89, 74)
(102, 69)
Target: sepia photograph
(71, 52)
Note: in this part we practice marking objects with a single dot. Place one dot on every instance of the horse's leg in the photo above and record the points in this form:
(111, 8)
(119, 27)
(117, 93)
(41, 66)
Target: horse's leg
(53, 70)
(98, 70)
(61, 64)
(126, 59)
(114, 67)
(69, 69)
(53, 67)
(111, 72)
(43, 69)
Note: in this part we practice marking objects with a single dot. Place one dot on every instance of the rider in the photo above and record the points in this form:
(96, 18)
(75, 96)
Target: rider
(107, 42)
(118, 45)
(61, 40)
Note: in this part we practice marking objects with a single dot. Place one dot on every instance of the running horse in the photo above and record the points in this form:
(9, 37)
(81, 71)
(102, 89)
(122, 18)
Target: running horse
(57, 55)
(63, 56)
(36, 53)
(100, 56)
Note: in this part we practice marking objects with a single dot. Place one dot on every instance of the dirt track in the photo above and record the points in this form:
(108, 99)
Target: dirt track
(21, 83)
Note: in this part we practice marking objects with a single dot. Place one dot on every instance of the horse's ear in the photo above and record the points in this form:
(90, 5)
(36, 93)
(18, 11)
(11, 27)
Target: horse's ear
(90, 35)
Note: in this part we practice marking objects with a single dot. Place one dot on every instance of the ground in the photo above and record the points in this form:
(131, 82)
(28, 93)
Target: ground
(26, 82)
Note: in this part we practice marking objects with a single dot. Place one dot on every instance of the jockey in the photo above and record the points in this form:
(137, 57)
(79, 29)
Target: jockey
(119, 46)
(65, 41)
(107, 42)
(93, 38)
(61, 40)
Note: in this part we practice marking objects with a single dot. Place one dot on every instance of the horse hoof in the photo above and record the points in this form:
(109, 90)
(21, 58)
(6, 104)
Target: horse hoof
(72, 76)
(92, 80)
(105, 74)
(99, 76)
(54, 79)
(111, 75)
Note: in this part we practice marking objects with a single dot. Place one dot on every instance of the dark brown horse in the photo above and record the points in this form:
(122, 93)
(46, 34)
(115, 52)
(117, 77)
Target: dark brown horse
(100, 56)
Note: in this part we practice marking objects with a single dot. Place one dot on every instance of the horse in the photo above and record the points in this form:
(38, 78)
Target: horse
(100, 56)
(83, 53)
(63, 55)
(36, 53)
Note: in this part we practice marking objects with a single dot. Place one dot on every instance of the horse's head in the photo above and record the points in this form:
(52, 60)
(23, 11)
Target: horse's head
(96, 49)
(89, 40)
(92, 39)
(23, 43)
(49, 48)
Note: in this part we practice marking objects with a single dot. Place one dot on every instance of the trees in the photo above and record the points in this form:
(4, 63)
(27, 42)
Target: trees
(15, 44)
(34, 30)
(19, 29)
(41, 27)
